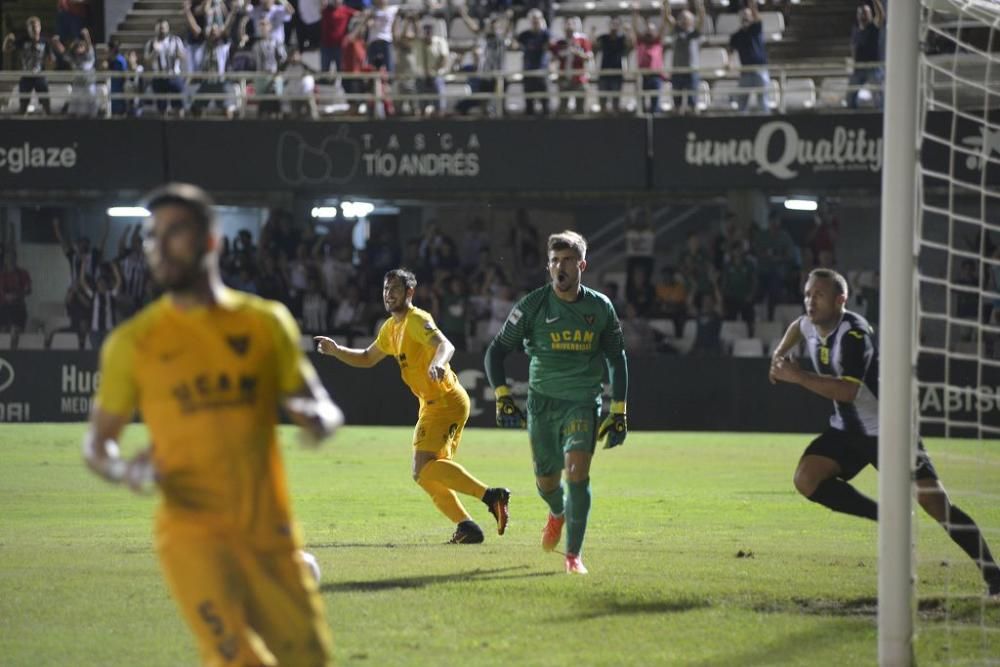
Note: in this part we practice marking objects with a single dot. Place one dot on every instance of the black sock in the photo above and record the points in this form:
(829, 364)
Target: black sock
(840, 496)
(966, 534)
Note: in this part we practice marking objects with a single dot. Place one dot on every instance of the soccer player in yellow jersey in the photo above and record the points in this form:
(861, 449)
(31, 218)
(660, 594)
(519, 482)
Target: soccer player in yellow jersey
(423, 353)
(208, 368)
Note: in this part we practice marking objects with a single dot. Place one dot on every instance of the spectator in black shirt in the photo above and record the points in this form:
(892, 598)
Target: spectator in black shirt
(865, 44)
(748, 42)
(534, 42)
(614, 47)
(35, 55)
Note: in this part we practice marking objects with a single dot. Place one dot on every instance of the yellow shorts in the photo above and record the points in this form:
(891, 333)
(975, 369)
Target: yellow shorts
(440, 423)
(245, 606)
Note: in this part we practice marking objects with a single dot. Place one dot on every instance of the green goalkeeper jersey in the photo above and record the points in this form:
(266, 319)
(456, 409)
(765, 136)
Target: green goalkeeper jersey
(569, 342)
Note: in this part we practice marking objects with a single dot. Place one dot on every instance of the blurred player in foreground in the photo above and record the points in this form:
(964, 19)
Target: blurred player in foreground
(570, 332)
(422, 351)
(208, 369)
(841, 345)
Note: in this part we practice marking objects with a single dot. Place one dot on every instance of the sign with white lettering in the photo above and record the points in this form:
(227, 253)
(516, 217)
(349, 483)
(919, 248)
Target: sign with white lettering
(412, 157)
(801, 151)
(75, 154)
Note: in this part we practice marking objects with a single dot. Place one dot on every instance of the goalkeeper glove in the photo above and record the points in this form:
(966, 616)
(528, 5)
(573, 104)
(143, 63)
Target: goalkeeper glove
(615, 427)
(508, 414)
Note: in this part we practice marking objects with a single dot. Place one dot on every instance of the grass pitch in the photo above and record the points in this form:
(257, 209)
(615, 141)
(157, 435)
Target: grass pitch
(699, 549)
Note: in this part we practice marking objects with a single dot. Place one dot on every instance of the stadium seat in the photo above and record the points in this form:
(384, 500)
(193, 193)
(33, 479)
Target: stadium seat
(455, 91)
(663, 327)
(769, 330)
(514, 63)
(787, 312)
(833, 92)
(714, 61)
(459, 35)
(64, 340)
(723, 91)
(704, 95)
(731, 331)
(726, 24)
(748, 347)
(686, 341)
(31, 341)
(773, 25)
(6, 341)
(596, 24)
(798, 94)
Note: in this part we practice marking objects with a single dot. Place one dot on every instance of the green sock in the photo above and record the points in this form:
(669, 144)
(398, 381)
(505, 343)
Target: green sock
(576, 515)
(554, 499)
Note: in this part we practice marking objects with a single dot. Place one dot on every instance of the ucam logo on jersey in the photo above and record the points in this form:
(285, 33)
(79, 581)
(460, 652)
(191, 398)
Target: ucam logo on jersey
(15, 411)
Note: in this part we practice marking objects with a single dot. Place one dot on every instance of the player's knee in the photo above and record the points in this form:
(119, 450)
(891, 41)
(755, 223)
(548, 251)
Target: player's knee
(805, 481)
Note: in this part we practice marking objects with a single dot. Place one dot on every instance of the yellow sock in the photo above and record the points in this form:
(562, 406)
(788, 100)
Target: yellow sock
(445, 500)
(453, 476)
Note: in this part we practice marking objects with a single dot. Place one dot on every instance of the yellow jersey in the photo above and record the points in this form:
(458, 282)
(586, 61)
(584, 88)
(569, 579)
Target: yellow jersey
(409, 341)
(207, 382)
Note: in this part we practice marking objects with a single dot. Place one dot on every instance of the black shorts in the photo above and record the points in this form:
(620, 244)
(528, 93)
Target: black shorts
(854, 451)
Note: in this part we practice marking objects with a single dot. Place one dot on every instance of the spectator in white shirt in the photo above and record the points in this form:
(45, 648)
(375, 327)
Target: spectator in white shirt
(380, 29)
(315, 309)
(214, 57)
(103, 308)
(165, 54)
(269, 54)
(34, 55)
(431, 55)
(81, 58)
(278, 14)
(298, 85)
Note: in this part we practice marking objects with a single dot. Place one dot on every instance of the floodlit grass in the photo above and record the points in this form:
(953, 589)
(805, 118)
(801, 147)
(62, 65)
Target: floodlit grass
(700, 553)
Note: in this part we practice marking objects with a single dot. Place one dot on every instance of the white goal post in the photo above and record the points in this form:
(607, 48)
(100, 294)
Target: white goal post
(942, 99)
(897, 390)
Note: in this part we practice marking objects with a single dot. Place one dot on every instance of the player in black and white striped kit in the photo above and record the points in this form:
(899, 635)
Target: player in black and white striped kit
(841, 345)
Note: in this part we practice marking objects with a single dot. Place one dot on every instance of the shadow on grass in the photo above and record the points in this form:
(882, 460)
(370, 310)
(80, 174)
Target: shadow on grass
(793, 648)
(929, 609)
(617, 607)
(422, 581)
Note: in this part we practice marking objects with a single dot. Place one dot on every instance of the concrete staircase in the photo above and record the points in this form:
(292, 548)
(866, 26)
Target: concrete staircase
(137, 28)
(815, 30)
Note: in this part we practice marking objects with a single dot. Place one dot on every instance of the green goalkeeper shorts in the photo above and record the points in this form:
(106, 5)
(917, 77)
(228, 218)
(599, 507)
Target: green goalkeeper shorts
(557, 426)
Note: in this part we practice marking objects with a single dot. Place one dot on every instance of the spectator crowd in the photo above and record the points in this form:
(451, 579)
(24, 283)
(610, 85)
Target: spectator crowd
(333, 287)
(394, 60)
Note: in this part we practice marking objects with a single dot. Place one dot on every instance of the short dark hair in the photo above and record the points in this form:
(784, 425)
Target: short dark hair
(839, 281)
(569, 240)
(191, 197)
(404, 276)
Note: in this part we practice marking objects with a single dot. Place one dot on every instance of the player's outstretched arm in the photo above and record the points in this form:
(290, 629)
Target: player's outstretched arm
(103, 458)
(356, 357)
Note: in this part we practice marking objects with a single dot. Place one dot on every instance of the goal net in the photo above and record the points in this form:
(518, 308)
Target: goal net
(958, 316)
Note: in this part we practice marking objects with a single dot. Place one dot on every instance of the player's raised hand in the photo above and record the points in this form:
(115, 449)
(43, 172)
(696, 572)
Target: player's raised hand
(614, 428)
(326, 345)
(508, 414)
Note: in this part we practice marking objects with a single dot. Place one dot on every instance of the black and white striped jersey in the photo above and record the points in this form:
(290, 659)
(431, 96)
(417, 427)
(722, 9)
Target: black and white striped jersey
(849, 353)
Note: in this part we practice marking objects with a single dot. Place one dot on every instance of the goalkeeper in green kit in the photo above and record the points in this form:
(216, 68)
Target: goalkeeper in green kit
(570, 332)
